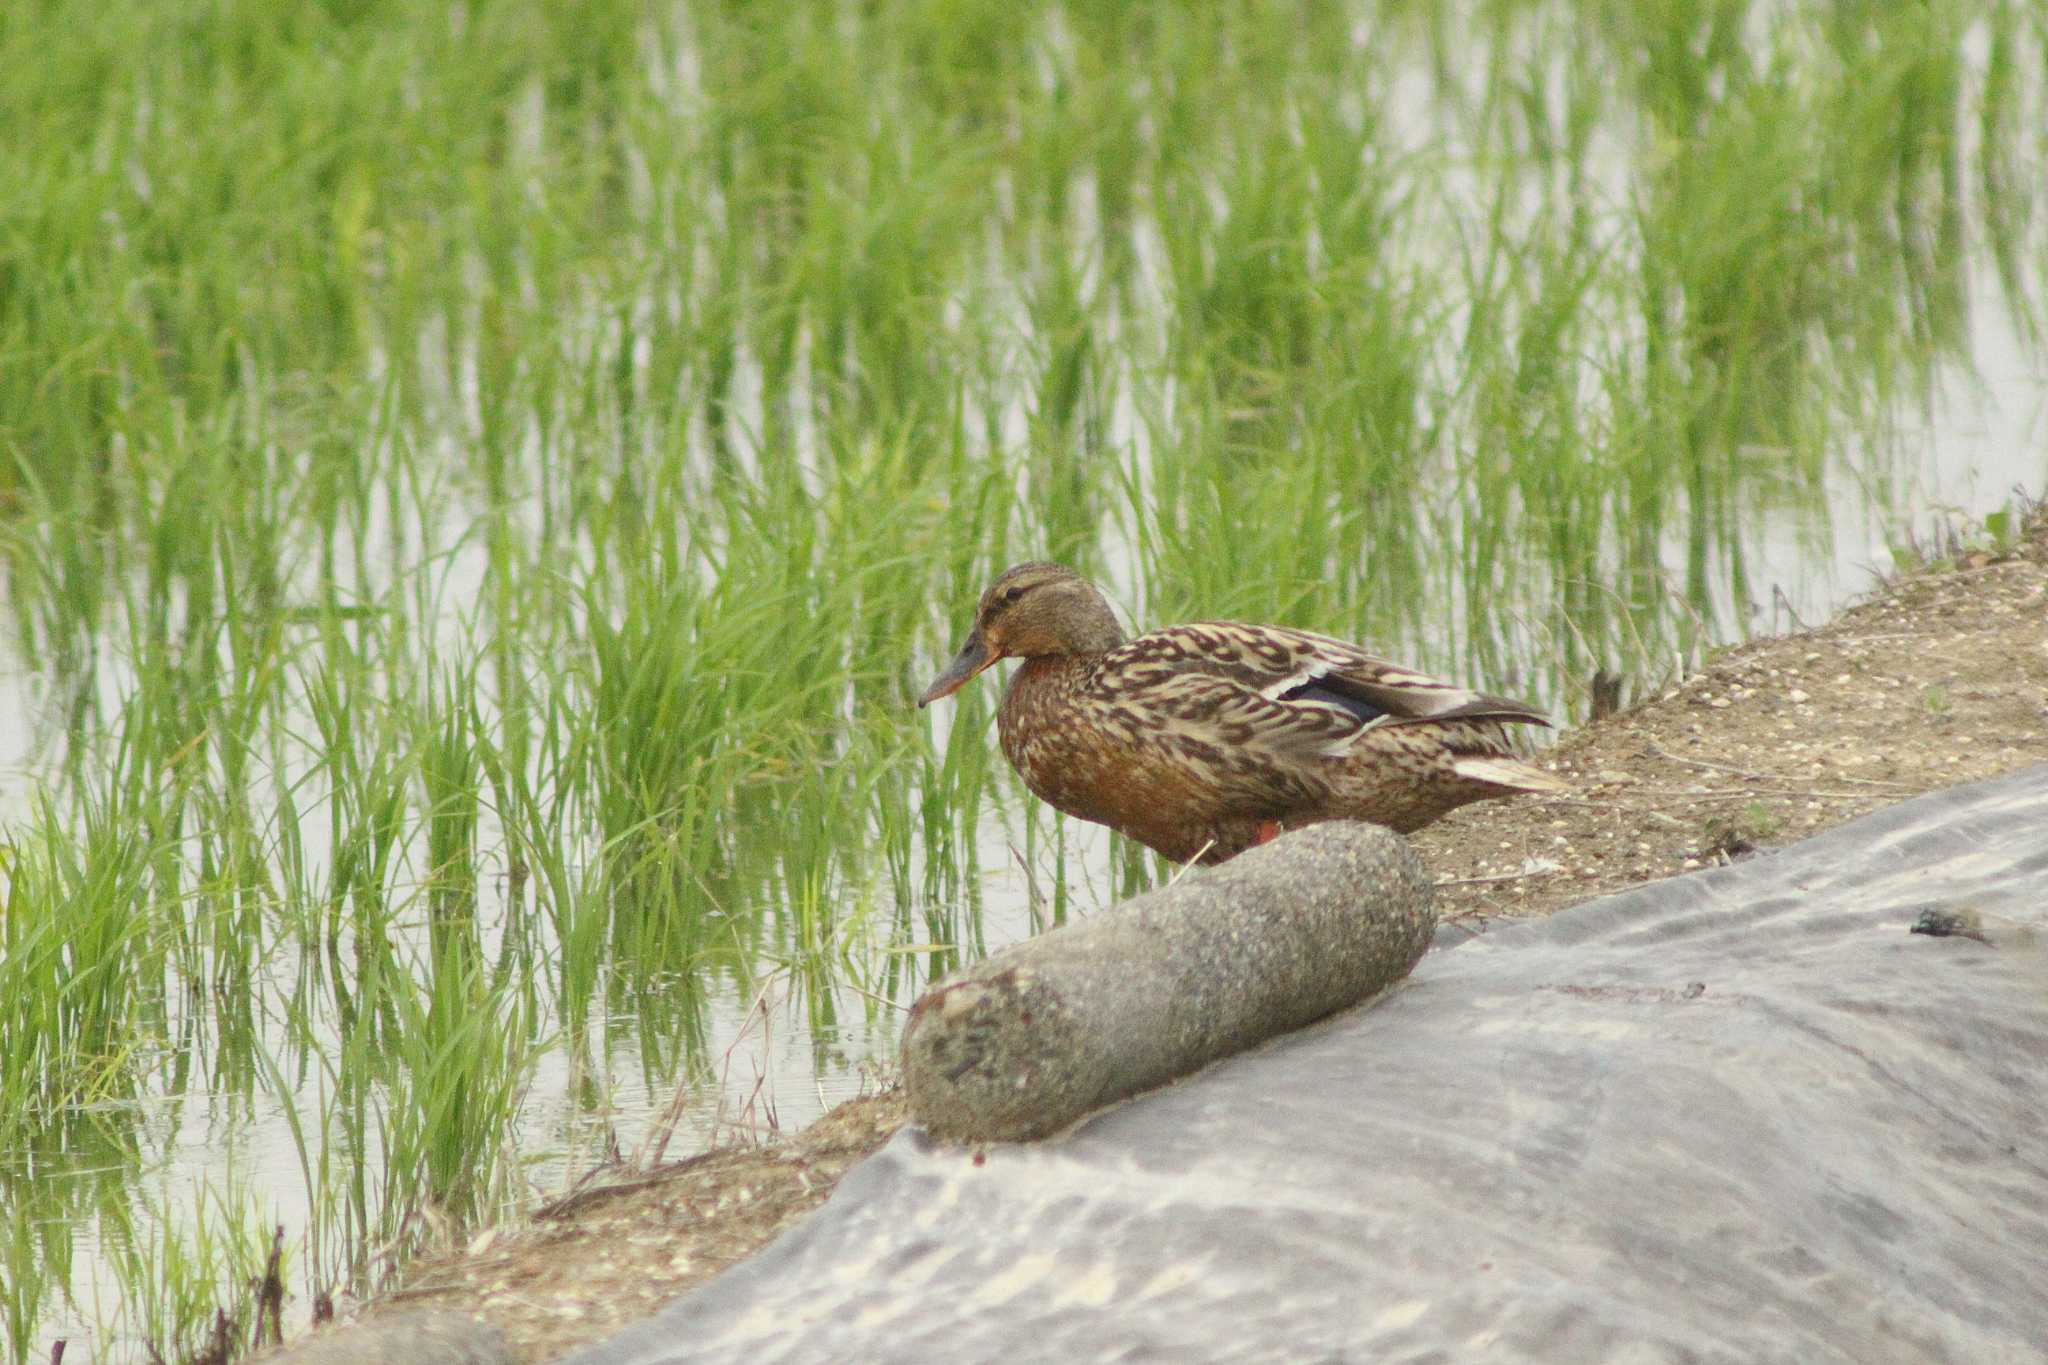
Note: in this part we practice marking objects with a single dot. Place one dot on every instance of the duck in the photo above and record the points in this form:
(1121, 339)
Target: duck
(1202, 740)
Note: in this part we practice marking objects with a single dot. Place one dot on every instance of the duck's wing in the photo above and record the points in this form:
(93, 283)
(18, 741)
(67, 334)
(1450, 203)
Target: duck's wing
(1397, 693)
(1292, 689)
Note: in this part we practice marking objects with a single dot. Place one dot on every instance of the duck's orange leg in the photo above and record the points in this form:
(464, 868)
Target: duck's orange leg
(1269, 830)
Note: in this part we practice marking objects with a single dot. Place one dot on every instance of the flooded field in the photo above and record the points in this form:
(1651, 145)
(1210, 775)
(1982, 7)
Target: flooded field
(482, 487)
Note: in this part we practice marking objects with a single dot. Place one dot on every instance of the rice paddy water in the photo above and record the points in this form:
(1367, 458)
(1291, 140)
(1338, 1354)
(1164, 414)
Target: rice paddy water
(481, 485)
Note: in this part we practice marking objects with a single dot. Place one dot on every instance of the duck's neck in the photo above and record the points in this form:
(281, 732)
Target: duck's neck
(1094, 631)
(1083, 638)
(1041, 687)
(1052, 672)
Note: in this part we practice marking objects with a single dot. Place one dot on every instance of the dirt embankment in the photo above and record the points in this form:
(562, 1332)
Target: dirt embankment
(1939, 678)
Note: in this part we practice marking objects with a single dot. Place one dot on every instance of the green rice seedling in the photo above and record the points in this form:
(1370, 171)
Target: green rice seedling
(458, 1075)
(75, 961)
(571, 897)
(367, 810)
(188, 1277)
(449, 769)
(2007, 209)
(34, 1269)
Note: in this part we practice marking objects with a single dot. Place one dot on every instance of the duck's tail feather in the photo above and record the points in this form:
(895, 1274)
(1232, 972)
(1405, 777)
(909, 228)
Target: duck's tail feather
(1510, 773)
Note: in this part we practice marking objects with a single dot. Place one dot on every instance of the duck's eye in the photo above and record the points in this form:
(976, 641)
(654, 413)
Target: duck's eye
(1012, 593)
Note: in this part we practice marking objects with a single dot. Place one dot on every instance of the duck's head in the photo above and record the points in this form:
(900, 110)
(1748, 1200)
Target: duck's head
(1032, 610)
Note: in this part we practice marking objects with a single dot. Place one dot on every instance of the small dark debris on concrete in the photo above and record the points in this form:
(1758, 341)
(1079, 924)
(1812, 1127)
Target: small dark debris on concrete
(1937, 922)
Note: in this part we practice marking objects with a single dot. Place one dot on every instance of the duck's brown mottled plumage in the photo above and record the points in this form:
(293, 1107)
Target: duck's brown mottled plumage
(1199, 740)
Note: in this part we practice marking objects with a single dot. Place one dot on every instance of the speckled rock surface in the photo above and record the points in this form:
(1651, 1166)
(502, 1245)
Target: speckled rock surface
(1746, 1115)
(1025, 1042)
(423, 1338)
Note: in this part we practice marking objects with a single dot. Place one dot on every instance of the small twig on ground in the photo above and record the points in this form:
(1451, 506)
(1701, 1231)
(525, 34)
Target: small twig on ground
(579, 1198)
(1779, 598)
(1502, 876)
(1660, 751)
(1187, 866)
(655, 1144)
(1751, 793)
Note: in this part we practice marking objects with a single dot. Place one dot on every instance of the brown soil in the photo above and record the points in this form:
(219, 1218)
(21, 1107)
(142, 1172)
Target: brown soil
(611, 1254)
(1938, 678)
(1941, 677)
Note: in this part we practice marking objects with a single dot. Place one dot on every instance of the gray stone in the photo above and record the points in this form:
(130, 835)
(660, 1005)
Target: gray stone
(1034, 1037)
(417, 1338)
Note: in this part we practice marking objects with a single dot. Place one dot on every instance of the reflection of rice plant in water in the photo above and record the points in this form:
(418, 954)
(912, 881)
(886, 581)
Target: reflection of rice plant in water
(481, 488)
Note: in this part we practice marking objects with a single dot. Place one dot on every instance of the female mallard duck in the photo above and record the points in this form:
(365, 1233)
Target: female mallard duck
(1202, 740)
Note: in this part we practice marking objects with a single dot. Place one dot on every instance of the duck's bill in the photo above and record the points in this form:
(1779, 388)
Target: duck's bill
(973, 657)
